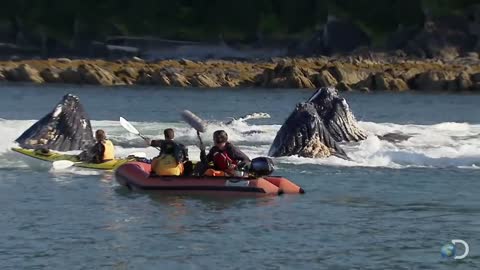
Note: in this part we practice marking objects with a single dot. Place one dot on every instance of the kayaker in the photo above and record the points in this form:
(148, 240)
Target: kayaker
(226, 158)
(102, 151)
(173, 156)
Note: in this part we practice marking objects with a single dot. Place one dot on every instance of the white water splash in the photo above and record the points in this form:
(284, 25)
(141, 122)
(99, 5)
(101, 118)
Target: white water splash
(440, 145)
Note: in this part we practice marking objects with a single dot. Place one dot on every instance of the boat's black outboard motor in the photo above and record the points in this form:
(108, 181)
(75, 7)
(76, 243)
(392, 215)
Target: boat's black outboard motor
(261, 166)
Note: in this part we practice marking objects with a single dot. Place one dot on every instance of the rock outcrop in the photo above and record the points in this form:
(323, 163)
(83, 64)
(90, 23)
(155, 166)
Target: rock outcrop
(286, 76)
(93, 74)
(365, 72)
(24, 73)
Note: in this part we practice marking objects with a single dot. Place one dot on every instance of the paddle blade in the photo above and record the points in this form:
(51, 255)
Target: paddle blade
(194, 121)
(62, 164)
(129, 127)
(138, 154)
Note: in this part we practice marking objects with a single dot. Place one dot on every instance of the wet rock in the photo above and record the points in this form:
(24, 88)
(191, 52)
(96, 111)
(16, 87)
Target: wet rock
(475, 78)
(178, 80)
(127, 72)
(70, 75)
(347, 75)
(463, 81)
(186, 62)
(225, 79)
(286, 76)
(296, 79)
(384, 81)
(202, 80)
(159, 77)
(24, 73)
(432, 80)
(409, 74)
(323, 79)
(145, 76)
(51, 75)
(2, 75)
(127, 75)
(364, 89)
(93, 74)
(343, 87)
(166, 77)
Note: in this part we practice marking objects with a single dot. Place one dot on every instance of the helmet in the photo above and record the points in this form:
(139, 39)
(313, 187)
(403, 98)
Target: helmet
(220, 136)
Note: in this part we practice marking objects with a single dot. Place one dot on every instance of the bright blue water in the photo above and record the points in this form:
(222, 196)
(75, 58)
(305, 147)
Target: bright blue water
(350, 218)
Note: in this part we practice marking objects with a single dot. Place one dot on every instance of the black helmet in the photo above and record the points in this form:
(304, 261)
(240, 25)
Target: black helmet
(220, 136)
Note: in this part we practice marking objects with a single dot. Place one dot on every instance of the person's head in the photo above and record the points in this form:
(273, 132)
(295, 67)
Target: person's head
(169, 134)
(100, 135)
(220, 138)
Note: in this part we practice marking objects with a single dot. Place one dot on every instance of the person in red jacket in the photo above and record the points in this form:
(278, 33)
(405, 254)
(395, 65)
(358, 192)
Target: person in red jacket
(224, 155)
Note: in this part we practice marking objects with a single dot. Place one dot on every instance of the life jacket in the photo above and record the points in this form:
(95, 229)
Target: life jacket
(212, 172)
(109, 153)
(166, 165)
(221, 160)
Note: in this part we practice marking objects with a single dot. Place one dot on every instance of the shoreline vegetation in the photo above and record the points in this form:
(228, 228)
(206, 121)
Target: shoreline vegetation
(393, 45)
(363, 73)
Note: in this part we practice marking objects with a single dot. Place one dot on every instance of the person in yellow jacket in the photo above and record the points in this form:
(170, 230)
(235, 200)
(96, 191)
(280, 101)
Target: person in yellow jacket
(172, 156)
(102, 151)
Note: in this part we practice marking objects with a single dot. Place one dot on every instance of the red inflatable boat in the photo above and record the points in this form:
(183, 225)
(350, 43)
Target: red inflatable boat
(136, 176)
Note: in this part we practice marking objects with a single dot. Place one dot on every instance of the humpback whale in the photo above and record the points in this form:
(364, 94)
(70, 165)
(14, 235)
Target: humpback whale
(67, 127)
(315, 127)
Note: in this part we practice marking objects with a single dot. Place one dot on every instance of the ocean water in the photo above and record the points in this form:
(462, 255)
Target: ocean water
(392, 207)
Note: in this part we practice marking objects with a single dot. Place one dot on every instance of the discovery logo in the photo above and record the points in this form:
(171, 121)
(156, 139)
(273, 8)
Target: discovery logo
(450, 250)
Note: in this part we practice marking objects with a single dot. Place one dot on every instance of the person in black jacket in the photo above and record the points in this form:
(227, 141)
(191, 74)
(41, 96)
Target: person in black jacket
(224, 155)
(168, 147)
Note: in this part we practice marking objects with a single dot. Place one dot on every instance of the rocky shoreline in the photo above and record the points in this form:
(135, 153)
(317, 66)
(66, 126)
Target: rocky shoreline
(372, 73)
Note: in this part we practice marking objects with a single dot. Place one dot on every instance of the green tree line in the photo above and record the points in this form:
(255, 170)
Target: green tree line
(209, 19)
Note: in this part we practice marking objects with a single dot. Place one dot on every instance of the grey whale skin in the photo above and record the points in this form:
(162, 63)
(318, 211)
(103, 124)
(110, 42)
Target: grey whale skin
(315, 127)
(67, 127)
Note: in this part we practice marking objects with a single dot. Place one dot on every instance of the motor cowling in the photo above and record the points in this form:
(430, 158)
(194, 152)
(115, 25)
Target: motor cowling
(261, 166)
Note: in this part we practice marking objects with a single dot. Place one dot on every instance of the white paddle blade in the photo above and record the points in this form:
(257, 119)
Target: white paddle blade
(129, 127)
(194, 121)
(62, 164)
(138, 154)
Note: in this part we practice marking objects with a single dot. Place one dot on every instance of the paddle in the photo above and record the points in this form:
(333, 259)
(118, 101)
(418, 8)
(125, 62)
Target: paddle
(65, 164)
(196, 122)
(62, 164)
(130, 128)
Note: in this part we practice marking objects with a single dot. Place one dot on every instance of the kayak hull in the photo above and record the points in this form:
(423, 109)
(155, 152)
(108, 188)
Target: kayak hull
(53, 156)
(136, 176)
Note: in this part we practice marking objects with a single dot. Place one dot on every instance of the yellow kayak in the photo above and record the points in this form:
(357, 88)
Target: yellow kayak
(52, 156)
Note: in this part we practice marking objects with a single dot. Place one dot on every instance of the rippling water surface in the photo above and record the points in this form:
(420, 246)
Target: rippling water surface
(392, 207)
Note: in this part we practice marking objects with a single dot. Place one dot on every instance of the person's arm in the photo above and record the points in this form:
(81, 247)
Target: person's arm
(203, 155)
(237, 154)
(156, 143)
(185, 153)
(207, 158)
